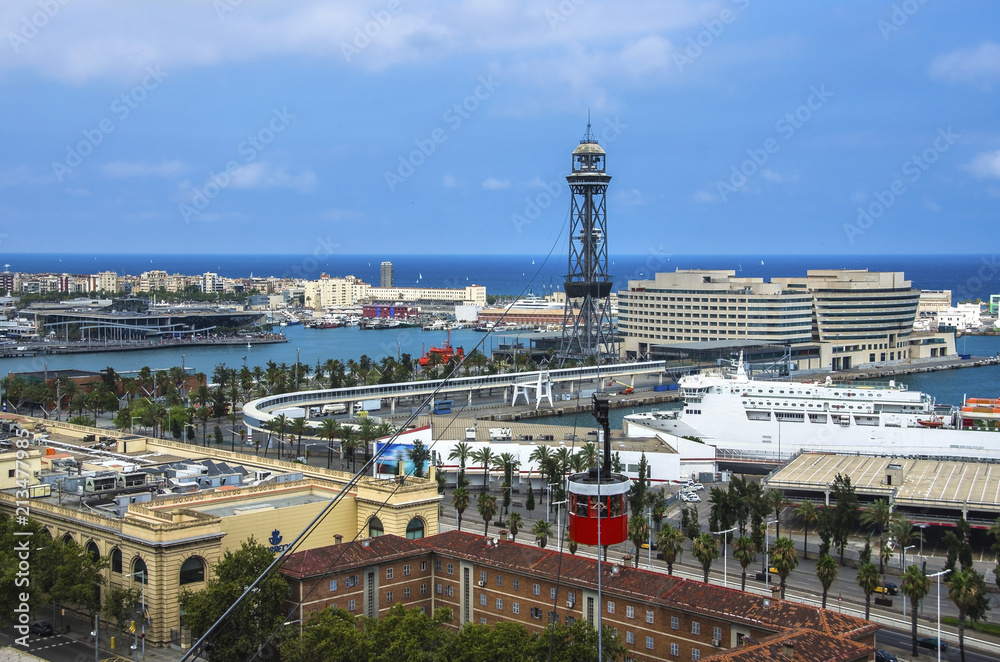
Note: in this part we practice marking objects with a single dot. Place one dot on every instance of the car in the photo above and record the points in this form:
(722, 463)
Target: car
(888, 588)
(884, 656)
(42, 629)
(932, 643)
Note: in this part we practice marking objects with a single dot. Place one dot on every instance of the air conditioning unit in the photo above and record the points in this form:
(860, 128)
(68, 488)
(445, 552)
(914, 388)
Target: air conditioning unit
(570, 603)
(717, 643)
(482, 583)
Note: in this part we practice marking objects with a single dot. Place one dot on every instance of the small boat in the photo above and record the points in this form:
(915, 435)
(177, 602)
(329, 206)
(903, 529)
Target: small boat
(933, 422)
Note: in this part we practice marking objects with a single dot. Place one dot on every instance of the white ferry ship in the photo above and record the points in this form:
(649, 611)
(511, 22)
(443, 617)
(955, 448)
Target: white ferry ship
(742, 416)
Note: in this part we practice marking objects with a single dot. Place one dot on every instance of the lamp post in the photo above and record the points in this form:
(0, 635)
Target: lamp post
(938, 576)
(767, 555)
(902, 569)
(922, 527)
(725, 555)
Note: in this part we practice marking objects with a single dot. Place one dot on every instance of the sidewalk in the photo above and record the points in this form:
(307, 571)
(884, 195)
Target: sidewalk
(80, 629)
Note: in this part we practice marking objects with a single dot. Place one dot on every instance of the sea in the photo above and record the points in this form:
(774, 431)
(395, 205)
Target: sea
(967, 276)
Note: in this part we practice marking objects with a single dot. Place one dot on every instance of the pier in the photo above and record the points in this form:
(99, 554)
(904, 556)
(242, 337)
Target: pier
(92, 347)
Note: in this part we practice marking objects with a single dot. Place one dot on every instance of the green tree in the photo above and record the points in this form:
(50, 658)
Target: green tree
(826, 572)
(460, 499)
(967, 589)
(670, 542)
(638, 533)
(915, 586)
(542, 530)
(690, 523)
(487, 507)
(640, 487)
(260, 614)
(776, 502)
(744, 551)
(784, 559)
(514, 523)
(705, 548)
(121, 606)
(845, 512)
(461, 452)
(806, 511)
(484, 457)
(419, 456)
(529, 501)
(868, 579)
(299, 427)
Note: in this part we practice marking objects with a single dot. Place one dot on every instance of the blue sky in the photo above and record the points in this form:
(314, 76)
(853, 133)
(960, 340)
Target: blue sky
(394, 126)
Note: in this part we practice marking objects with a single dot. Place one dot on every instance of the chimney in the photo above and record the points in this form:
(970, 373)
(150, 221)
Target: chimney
(788, 649)
(337, 538)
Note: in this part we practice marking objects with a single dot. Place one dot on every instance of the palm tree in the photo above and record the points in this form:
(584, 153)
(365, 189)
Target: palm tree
(784, 558)
(638, 533)
(591, 455)
(330, 429)
(670, 542)
(744, 551)
(884, 554)
(460, 499)
(349, 445)
(706, 549)
(775, 500)
(806, 511)
(367, 432)
(487, 507)
(514, 523)
(484, 457)
(279, 425)
(461, 452)
(542, 530)
(967, 590)
(903, 533)
(826, 572)
(868, 579)
(299, 427)
(915, 585)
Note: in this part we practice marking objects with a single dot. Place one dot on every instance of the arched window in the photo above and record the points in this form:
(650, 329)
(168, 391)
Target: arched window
(415, 529)
(375, 528)
(93, 550)
(68, 538)
(139, 571)
(193, 570)
(116, 560)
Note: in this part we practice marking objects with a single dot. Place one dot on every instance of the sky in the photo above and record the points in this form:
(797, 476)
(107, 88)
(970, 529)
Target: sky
(392, 126)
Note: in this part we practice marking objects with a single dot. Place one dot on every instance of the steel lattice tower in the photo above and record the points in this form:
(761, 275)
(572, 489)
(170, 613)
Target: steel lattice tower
(587, 333)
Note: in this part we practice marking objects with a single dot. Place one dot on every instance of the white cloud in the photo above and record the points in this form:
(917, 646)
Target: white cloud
(165, 169)
(262, 175)
(705, 197)
(980, 65)
(772, 176)
(494, 184)
(985, 165)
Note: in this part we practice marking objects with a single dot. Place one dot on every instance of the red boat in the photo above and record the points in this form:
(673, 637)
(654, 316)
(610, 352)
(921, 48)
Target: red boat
(445, 353)
(930, 422)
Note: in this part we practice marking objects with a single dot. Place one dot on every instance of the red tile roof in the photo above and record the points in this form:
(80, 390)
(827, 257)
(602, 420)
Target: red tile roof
(321, 560)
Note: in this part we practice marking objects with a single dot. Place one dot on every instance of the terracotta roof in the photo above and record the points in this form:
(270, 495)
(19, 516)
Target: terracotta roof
(321, 560)
(798, 645)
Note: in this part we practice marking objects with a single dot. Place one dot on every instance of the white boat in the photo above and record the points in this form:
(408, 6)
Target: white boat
(743, 416)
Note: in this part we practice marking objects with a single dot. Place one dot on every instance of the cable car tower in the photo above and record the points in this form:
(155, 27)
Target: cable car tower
(587, 333)
(598, 507)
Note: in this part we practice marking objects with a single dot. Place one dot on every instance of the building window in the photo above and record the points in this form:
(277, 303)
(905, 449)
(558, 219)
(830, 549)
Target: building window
(629, 637)
(482, 578)
(536, 613)
(375, 528)
(192, 571)
(439, 588)
(611, 606)
(537, 590)
(675, 649)
(552, 593)
(695, 627)
(388, 596)
(517, 584)
(695, 654)
(649, 616)
(517, 608)
(333, 586)
(482, 620)
(415, 529)
(629, 612)
(406, 569)
(437, 566)
(350, 605)
(116, 560)
(139, 571)
(499, 604)
(406, 592)
(717, 633)
(350, 582)
(482, 599)
(674, 623)
(649, 643)
(388, 573)
(451, 568)
(450, 591)
(499, 580)
(423, 566)
(423, 589)
(571, 597)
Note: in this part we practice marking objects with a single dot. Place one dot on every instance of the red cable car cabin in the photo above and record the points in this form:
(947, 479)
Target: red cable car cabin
(588, 512)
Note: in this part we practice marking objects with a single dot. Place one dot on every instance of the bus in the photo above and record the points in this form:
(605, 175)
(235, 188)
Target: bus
(443, 406)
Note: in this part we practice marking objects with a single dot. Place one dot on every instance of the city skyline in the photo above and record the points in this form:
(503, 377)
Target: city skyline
(217, 127)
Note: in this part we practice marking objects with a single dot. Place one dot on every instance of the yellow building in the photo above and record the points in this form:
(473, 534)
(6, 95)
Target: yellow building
(165, 513)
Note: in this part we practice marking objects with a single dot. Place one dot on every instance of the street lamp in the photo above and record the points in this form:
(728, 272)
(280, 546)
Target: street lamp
(922, 527)
(767, 555)
(725, 555)
(938, 575)
(901, 571)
